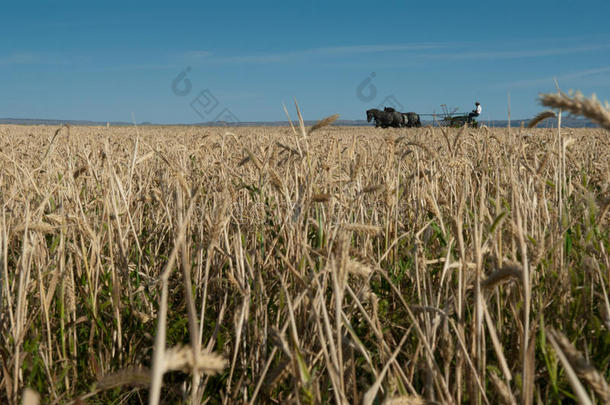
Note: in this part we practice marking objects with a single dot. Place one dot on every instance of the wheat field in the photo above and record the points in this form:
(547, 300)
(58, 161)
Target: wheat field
(304, 265)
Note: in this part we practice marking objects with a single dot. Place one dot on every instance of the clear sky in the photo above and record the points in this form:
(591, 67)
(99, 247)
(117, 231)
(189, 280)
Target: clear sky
(105, 60)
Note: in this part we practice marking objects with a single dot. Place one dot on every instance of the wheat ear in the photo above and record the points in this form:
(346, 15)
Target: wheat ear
(581, 366)
(541, 117)
(579, 105)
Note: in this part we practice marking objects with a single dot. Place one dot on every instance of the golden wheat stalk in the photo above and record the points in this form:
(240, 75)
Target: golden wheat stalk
(287, 148)
(502, 389)
(36, 227)
(371, 189)
(323, 122)
(583, 368)
(181, 358)
(79, 171)
(251, 157)
(321, 197)
(30, 397)
(579, 105)
(502, 274)
(276, 181)
(405, 400)
(369, 229)
(134, 376)
(67, 126)
(358, 268)
(541, 117)
(421, 146)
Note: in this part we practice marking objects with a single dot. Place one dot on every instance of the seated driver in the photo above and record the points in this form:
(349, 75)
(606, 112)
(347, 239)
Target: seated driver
(476, 112)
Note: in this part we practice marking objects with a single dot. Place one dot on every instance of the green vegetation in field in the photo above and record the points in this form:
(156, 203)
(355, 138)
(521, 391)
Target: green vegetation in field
(283, 265)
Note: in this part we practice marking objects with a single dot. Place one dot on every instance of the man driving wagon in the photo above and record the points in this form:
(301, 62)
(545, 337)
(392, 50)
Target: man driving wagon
(458, 121)
(476, 112)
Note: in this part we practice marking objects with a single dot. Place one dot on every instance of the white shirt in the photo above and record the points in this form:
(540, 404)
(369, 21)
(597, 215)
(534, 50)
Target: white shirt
(478, 109)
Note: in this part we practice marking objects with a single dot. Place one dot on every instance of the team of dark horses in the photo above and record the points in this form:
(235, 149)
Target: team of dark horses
(389, 117)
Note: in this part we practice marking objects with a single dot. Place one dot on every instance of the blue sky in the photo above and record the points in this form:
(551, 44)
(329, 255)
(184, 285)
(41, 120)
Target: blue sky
(104, 61)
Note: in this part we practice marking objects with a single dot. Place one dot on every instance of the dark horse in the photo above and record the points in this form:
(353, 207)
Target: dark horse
(385, 119)
(410, 119)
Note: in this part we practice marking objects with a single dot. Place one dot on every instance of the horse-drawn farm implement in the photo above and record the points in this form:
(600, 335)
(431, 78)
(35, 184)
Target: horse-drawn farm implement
(456, 120)
(452, 118)
(389, 117)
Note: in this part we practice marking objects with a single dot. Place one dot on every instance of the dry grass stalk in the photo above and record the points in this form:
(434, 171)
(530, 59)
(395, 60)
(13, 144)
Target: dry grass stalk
(36, 227)
(321, 197)
(251, 157)
(581, 366)
(79, 171)
(183, 184)
(276, 375)
(134, 376)
(421, 146)
(372, 189)
(358, 268)
(46, 154)
(287, 148)
(323, 123)
(181, 358)
(277, 290)
(30, 397)
(159, 354)
(364, 228)
(502, 389)
(541, 117)
(506, 272)
(405, 400)
(371, 393)
(276, 180)
(577, 386)
(579, 105)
